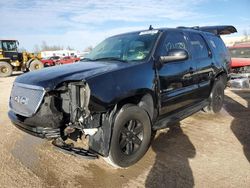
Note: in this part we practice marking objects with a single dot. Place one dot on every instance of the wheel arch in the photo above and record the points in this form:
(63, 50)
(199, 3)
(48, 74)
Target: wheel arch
(222, 75)
(144, 100)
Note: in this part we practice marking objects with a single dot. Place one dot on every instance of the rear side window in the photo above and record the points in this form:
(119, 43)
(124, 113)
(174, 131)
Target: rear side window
(218, 45)
(240, 52)
(173, 40)
(199, 46)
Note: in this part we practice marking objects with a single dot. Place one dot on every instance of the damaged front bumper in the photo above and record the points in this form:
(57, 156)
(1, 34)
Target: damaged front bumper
(42, 132)
(98, 143)
(51, 133)
(64, 113)
(69, 148)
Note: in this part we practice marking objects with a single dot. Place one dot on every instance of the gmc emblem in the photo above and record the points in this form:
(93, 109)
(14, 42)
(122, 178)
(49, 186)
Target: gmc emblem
(21, 100)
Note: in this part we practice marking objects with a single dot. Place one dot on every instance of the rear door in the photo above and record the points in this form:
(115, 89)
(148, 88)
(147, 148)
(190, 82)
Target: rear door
(177, 87)
(221, 53)
(202, 58)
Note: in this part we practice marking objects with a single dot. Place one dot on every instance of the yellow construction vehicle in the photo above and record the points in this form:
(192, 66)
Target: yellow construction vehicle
(12, 60)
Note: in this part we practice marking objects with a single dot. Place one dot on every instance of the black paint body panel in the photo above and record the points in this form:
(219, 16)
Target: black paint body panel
(173, 86)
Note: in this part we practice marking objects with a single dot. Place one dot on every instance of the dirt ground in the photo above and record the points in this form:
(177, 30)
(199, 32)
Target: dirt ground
(202, 151)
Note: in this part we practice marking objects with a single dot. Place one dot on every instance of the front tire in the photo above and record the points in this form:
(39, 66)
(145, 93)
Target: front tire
(5, 69)
(216, 97)
(131, 136)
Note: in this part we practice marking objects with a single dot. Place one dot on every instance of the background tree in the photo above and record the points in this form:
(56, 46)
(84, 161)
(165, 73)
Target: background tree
(45, 47)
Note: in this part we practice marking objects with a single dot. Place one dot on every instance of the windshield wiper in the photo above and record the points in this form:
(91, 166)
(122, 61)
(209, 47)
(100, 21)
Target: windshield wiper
(110, 58)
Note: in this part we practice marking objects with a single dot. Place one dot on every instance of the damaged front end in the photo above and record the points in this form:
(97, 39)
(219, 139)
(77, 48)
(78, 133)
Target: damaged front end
(64, 114)
(83, 123)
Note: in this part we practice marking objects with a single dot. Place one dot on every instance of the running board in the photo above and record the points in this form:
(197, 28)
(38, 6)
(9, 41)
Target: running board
(164, 122)
(70, 149)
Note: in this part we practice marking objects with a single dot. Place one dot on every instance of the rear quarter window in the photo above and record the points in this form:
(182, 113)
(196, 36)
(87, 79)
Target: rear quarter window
(218, 45)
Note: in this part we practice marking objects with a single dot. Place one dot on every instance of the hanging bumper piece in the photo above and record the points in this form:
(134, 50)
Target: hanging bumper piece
(70, 149)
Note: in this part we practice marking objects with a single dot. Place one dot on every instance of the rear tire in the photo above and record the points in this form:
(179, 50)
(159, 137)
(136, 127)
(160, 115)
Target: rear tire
(36, 65)
(216, 97)
(5, 69)
(131, 136)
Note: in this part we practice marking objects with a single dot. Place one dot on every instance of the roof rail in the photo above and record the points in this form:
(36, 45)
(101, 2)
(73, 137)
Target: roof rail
(217, 30)
(184, 27)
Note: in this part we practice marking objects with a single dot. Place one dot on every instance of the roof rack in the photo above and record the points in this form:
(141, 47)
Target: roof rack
(217, 30)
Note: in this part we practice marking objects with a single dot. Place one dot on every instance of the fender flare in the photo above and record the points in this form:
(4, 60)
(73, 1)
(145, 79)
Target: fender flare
(100, 142)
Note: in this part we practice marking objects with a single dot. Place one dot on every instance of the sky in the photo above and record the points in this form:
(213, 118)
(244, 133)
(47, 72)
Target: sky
(83, 23)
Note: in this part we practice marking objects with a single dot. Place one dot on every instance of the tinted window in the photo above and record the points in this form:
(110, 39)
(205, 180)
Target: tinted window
(199, 46)
(240, 52)
(173, 40)
(127, 47)
(217, 44)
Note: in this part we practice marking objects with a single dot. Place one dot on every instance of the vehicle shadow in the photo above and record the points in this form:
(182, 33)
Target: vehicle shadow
(171, 168)
(240, 126)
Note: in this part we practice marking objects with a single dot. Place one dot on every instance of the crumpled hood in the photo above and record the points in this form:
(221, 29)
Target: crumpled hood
(50, 77)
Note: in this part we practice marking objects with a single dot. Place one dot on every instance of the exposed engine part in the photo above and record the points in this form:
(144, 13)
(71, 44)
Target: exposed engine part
(95, 125)
(90, 132)
(68, 130)
(59, 143)
(80, 120)
(79, 101)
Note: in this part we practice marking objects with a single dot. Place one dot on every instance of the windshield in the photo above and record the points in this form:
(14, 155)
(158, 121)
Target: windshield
(240, 52)
(9, 45)
(128, 47)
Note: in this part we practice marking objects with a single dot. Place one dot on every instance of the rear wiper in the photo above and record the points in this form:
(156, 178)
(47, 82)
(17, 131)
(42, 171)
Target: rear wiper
(110, 58)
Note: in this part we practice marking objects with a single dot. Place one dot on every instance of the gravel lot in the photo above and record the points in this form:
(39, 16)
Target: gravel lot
(202, 151)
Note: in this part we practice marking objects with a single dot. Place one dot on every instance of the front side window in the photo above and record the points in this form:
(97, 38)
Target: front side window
(173, 40)
(128, 47)
(199, 46)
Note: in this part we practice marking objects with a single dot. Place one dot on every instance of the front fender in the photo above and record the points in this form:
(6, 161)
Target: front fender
(108, 89)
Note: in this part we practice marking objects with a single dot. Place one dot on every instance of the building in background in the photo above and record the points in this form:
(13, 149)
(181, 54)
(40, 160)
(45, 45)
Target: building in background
(232, 40)
(61, 53)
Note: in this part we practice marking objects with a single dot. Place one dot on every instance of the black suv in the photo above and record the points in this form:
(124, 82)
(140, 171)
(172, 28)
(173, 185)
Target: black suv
(128, 87)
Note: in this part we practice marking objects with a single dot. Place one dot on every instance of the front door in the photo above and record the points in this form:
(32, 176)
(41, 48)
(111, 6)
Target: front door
(177, 85)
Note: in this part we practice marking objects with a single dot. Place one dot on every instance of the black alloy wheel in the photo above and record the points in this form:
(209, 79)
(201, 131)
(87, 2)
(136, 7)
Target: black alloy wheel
(131, 136)
(216, 97)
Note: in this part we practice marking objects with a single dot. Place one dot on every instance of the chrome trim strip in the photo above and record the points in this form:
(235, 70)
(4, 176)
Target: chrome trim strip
(29, 86)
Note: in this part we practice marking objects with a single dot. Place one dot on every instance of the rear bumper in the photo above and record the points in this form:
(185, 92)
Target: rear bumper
(42, 132)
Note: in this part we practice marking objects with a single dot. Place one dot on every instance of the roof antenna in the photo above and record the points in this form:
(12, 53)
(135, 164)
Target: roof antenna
(150, 27)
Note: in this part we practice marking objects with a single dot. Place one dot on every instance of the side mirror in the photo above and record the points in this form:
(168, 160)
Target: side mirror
(174, 55)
